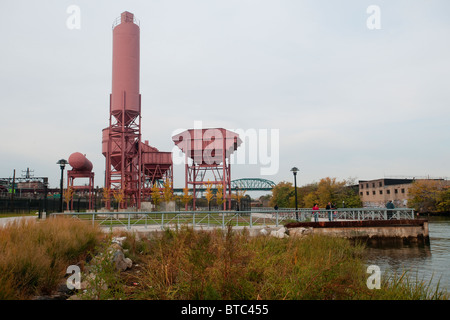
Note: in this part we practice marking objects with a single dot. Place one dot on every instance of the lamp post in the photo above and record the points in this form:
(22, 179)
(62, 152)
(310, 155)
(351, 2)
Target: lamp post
(237, 198)
(62, 164)
(294, 171)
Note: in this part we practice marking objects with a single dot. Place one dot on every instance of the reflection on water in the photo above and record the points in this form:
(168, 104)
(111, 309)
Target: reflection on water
(426, 262)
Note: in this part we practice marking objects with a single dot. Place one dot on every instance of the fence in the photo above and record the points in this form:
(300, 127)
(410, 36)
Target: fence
(221, 219)
(32, 205)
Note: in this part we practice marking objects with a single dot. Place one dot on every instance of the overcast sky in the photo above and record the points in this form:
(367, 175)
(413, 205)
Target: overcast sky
(346, 100)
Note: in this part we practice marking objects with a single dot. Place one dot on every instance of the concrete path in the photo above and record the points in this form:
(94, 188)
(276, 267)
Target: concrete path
(5, 221)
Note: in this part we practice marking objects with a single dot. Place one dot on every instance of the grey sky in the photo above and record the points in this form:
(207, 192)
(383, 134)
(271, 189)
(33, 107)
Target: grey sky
(347, 101)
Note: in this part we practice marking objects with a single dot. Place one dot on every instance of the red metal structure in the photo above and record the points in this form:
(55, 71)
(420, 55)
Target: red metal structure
(81, 168)
(207, 151)
(130, 164)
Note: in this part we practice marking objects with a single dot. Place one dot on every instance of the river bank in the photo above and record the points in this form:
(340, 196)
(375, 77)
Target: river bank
(425, 262)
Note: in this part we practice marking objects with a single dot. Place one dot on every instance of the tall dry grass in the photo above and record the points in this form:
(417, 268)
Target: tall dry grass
(188, 264)
(227, 265)
(34, 255)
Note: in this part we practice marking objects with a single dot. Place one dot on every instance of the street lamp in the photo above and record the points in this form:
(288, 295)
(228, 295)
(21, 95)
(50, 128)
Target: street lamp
(237, 198)
(294, 171)
(62, 164)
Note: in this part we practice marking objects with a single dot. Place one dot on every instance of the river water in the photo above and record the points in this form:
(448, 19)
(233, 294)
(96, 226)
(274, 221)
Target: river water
(428, 263)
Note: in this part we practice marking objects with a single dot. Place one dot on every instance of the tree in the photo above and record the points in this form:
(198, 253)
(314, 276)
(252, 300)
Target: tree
(327, 190)
(186, 197)
(281, 194)
(156, 194)
(106, 195)
(167, 191)
(429, 196)
(119, 195)
(68, 195)
(209, 193)
(310, 200)
(238, 196)
(444, 200)
(219, 195)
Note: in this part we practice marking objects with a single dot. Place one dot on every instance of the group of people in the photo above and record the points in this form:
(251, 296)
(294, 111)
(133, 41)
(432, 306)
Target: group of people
(330, 207)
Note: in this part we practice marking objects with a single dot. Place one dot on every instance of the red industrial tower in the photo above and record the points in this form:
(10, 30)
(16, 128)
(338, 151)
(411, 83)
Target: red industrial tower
(129, 162)
(208, 150)
(81, 168)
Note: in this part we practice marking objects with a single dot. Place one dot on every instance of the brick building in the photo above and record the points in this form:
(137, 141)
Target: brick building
(376, 193)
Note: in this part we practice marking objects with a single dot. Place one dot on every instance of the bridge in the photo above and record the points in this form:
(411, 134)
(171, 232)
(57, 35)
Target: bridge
(248, 184)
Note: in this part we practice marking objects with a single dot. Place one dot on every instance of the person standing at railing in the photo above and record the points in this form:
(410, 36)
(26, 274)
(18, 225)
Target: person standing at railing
(315, 211)
(329, 208)
(389, 206)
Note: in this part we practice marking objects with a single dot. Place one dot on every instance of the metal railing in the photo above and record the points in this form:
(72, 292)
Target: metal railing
(221, 219)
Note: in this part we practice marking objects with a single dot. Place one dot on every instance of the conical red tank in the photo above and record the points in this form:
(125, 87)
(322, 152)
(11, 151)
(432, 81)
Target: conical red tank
(125, 69)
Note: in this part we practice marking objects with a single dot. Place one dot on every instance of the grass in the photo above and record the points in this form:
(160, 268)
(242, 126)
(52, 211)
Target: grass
(184, 264)
(34, 255)
(227, 265)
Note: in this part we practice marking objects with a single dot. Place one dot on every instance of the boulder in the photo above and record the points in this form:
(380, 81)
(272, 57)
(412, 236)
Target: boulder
(121, 263)
(299, 232)
(280, 233)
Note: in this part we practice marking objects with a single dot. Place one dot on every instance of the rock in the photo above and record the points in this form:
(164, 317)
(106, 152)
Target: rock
(263, 231)
(119, 240)
(280, 233)
(299, 232)
(121, 263)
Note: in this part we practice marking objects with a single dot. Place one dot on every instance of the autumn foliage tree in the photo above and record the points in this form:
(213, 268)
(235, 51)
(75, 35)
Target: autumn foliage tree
(155, 194)
(219, 195)
(209, 194)
(186, 198)
(326, 190)
(168, 191)
(430, 196)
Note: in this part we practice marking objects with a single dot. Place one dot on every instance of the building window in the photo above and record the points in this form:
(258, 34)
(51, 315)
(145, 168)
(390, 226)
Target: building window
(367, 185)
(367, 193)
(380, 184)
(373, 192)
(373, 185)
(388, 191)
(395, 191)
(360, 193)
(403, 190)
(381, 191)
(362, 186)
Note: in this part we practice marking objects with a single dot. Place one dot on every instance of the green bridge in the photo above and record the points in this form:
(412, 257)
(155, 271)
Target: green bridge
(248, 184)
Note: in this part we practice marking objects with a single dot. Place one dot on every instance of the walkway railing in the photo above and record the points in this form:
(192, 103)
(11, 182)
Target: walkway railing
(221, 219)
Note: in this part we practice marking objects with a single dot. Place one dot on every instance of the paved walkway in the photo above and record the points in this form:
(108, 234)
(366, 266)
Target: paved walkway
(5, 221)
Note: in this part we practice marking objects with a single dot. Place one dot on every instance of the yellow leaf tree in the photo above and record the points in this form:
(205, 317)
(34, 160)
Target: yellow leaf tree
(209, 194)
(424, 195)
(119, 195)
(106, 195)
(238, 196)
(219, 195)
(68, 195)
(156, 195)
(167, 191)
(186, 197)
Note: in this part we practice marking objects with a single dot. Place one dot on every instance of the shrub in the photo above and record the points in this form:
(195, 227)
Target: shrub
(34, 255)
